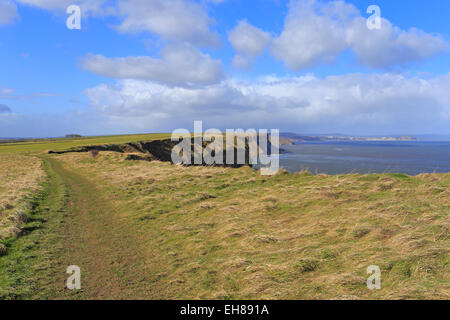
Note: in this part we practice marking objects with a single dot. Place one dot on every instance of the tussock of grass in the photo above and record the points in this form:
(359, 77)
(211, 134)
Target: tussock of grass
(3, 250)
(306, 265)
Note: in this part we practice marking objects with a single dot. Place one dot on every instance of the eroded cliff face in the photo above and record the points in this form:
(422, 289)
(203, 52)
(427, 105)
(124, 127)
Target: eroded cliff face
(158, 150)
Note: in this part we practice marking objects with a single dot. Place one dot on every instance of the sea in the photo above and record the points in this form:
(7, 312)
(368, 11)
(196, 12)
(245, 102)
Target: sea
(407, 157)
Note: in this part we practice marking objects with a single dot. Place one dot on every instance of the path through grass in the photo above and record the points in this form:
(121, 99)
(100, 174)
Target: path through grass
(151, 230)
(72, 223)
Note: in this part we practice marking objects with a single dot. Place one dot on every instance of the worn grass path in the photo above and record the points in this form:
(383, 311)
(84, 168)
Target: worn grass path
(79, 227)
(96, 238)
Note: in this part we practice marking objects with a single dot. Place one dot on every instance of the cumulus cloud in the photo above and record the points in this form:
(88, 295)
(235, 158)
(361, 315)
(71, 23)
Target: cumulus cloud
(249, 42)
(316, 33)
(4, 108)
(180, 65)
(8, 12)
(390, 45)
(181, 20)
(311, 36)
(241, 62)
(349, 103)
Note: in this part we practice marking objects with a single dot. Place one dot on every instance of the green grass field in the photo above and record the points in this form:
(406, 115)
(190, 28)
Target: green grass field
(152, 230)
(40, 145)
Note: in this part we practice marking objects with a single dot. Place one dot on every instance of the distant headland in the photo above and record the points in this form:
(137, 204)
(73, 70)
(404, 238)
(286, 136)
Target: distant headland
(287, 138)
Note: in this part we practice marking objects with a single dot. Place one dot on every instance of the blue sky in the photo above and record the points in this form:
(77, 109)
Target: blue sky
(154, 66)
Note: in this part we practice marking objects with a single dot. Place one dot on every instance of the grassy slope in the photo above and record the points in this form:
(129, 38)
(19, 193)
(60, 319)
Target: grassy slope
(153, 230)
(232, 233)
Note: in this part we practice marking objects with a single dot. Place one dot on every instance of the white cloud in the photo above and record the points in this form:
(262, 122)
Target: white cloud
(350, 103)
(181, 20)
(180, 65)
(316, 33)
(241, 62)
(310, 37)
(8, 12)
(390, 45)
(249, 42)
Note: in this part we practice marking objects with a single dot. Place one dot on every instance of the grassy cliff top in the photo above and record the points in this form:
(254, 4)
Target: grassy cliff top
(40, 145)
(203, 232)
(154, 230)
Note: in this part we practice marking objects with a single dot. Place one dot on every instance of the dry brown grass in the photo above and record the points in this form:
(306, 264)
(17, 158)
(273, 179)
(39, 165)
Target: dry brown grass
(208, 232)
(19, 178)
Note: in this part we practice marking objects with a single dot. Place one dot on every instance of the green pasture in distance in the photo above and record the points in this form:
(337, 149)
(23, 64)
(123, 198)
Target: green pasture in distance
(41, 145)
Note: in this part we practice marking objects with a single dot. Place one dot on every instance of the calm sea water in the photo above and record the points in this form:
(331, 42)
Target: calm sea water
(410, 158)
